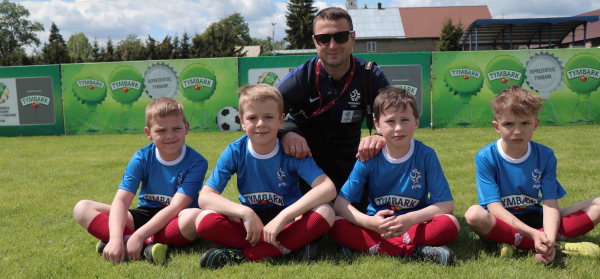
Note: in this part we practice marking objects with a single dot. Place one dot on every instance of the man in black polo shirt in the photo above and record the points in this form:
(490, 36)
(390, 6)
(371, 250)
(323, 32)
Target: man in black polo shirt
(325, 101)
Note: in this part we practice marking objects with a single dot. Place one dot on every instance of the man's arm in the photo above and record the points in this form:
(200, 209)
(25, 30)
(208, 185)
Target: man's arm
(211, 199)
(158, 222)
(117, 219)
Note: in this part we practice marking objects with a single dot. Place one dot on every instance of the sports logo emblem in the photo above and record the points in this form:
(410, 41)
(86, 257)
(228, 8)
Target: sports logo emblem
(354, 95)
(537, 176)
(312, 100)
(179, 180)
(281, 175)
(415, 176)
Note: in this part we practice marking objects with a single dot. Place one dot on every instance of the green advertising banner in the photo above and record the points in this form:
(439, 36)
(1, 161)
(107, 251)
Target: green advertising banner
(30, 101)
(465, 82)
(110, 98)
(410, 71)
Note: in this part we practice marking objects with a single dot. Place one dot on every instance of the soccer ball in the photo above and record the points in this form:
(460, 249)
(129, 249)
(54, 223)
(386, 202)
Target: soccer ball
(228, 119)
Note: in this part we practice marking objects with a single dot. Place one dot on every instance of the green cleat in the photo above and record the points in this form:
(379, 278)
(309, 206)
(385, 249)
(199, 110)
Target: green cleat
(585, 249)
(507, 250)
(437, 254)
(156, 253)
(216, 258)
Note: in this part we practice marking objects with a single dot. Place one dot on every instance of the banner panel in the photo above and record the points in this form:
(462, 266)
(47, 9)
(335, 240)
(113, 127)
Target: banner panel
(465, 82)
(31, 101)
(411, 71)
(109, 98)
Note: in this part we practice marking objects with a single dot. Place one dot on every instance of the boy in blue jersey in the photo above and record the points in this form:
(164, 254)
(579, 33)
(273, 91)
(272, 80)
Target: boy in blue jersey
(274, 218)
(410, 201)
(511, 173)
(171, 174)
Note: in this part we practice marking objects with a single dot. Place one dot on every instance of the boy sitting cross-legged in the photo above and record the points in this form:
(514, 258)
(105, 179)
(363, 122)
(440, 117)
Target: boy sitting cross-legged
(511, 173)
(266, 223)
(171, 175)
(402, 220)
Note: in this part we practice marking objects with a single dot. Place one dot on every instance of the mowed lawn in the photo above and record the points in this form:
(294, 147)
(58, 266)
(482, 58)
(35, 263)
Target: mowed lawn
(42, 178)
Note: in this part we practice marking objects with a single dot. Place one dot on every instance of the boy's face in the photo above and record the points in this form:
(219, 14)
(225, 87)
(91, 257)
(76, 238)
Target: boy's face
(516, 130)
(261, 120)
(397, 125)
(168, 134)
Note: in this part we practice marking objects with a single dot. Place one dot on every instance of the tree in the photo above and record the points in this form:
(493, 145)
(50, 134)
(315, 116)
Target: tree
(110, 51)
(55, 51)
(79, 48)
(217, 41)
(450, 36)
(165, 48)
(176, 54)
(15, 30)
(240, 29)
(131, 48)
(185, 46)
(98, 52)
(299, 19)
(151, 52)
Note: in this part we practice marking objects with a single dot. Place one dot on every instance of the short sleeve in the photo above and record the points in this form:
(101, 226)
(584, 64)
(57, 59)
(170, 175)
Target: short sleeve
(551, 188)
(355, 185)
(225, 168)
(192, 182)
(134, 173)
(437, 185)
(308, 169)
(488, 190)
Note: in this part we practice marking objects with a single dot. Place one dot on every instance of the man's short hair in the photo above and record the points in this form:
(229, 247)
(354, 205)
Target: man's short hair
(163, 107)
(333, 13)
(394, 97)
(517, 101)
(259, 92)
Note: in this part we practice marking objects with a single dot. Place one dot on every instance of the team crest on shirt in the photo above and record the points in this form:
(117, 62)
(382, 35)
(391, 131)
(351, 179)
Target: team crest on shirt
(179, 180)
(537, 178)
(281, 177)
(264, 198)
(397, 202)
(354, 95)
(518, 202)
(415, 177)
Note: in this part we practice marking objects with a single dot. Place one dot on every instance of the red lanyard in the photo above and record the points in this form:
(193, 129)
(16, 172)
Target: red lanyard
(330, 104)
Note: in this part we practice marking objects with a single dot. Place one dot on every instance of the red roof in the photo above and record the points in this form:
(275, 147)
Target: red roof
(427, 22)
(593, 29)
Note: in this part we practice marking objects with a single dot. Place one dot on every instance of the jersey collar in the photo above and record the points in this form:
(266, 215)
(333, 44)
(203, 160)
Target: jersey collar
(509, 159)
(399, 160)
(174, 162)
(265, 156)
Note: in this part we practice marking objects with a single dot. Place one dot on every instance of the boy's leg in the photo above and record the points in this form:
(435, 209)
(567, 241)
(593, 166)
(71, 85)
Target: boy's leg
(361, 239)
(494, 229)
(580, 218)
(93, 216)
(295, 234)
(181, 230)
(440, 230)
(222, 230)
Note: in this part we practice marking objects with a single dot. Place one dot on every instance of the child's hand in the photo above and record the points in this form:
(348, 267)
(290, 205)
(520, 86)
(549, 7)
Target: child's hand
(396, 227)
(546, 258)
(541, 243)
(379, 218)
(114, 251)
(272, 229)
(134, 247)
(253, 225)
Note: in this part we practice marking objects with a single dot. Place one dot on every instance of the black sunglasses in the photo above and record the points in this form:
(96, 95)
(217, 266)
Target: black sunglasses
(339, 37)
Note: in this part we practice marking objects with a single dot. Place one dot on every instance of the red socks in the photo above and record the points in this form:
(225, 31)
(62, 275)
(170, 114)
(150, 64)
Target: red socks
(366, 240)
(293, 237)
(98, 228)
(219, 229)
(439, 231)
(576, 224)
(171, 235)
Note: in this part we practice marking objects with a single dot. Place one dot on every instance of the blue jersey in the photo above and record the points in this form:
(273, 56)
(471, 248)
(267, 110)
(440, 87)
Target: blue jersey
(264, 181)
(517, 182)
(162, 179)
(403, 185)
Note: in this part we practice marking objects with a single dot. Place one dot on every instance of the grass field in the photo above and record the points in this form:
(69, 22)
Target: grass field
(42, 178)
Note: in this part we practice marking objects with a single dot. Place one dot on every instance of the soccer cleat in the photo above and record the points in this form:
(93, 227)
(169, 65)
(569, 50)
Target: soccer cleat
(438, 254)
(311, 251)
(507, 250)
(586, 249)
(217, 258)
(100, 246)
(345, 251)
(156, 253)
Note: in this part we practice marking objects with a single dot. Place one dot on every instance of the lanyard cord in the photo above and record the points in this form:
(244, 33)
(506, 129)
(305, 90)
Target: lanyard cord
(346, 86)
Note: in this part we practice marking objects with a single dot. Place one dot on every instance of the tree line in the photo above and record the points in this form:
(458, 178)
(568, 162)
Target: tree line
(218, 40)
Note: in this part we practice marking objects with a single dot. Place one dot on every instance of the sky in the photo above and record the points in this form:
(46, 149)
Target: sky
(159, 18)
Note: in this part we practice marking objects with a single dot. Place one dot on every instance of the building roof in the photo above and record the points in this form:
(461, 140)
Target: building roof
(377, 23)
(251, 51)
(295, 51)
(419, 22)
(427, 22)
(593, 29)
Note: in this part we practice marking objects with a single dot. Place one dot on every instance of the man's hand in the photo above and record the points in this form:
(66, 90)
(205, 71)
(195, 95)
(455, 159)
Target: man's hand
(295, 145)
(253, 225)
(272, 229)
(134, 247)
(114, 251)
(369, 147)
(378, 219)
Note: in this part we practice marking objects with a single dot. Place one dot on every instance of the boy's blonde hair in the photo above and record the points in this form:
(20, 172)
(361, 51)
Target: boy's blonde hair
(394, 97)
(517, 101)
(259, 92)
(163, 107)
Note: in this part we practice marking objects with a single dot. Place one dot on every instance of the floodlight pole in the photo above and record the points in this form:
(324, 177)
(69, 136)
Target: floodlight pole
(273, 36)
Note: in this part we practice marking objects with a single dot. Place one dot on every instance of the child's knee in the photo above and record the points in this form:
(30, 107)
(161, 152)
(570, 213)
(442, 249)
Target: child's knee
(203, 214)
(326, 212)
(188, 216)
(476, 215)
(80, 210)
(454, 220)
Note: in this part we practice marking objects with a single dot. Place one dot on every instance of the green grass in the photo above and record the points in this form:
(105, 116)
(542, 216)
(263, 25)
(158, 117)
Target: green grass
(42, 178)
